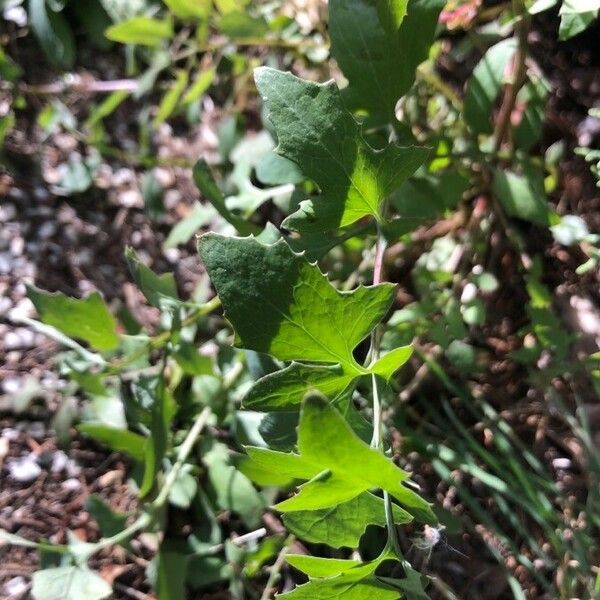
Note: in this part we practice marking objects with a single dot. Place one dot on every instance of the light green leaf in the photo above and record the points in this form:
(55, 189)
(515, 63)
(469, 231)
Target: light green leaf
(191, 361)
(576, 16)
(169, 101)
(317, 132)
(343, 524)
(119, 440)
(485, 84)
(520, 197)
(141, 30)
(231, 487)
(285, 389)
(184, 489)
(183, 231)
(202, 83)
(332, 579)
(87, 319)
(158, 289)
(337, 463)
(171, 572)
(69, 583)
(274, 169)
(388, 364)
(379, 48)
(280, 304)
(190, 9)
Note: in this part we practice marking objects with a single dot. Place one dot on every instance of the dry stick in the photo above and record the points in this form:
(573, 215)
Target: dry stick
(503, 122)
(518, 77)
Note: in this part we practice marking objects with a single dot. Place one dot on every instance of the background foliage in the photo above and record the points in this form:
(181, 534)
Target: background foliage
(433, 159)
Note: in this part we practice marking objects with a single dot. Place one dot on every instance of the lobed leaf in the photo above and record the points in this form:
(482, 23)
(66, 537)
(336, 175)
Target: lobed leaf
(378, 46)
(280, 304)
(338, 465)
(335, 578)
(343, 524)
(317, 132)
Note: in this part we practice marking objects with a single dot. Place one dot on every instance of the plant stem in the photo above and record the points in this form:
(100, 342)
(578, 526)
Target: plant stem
(276, 568)
(182, 455)
(377, 440)
(162, 338)
(518, 77)
(146, 518)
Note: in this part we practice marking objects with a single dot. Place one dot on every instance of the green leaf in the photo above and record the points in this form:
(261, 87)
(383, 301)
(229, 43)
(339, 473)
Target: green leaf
(285, 389)
(335, 578)
(342, 525)
(190, 9)
(388, 364)
(302, 316)
(231, 488)
(53, 34)
(141, 30)
(184, 230)
(199, 87)
(208, 188)
(520, 197)
(109, 521)
(69, 583)
(274, 169)
(379, 49)
(160, 290)
(239, 25)
(485, 84)
(169, 101)
(184, 489)
(162, 411)
(119, 440)
(171, 571)
(317, 132)
(337, 463)
(576, 16)
(87, 319)
(191, 361)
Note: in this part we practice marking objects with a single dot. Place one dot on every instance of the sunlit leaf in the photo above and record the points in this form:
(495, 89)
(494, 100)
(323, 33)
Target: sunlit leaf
(337, 464)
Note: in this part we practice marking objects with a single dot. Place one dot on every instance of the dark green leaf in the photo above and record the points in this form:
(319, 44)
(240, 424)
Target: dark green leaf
(520, 197)
(379, 49)
(317, 132)
(53, 33)
(208, 188)
(302, 316)
(109, 521)
(158, 289)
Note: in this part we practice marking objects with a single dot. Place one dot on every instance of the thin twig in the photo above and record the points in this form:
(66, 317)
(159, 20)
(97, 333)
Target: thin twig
(276, 568)
(518, 76)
